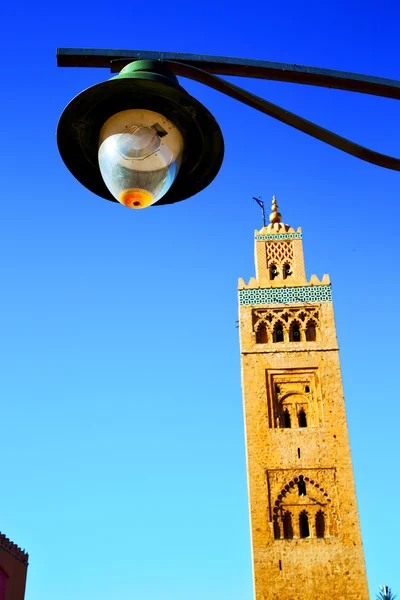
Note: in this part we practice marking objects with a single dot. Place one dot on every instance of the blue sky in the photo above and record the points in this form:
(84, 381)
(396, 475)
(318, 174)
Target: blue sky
(123, 464)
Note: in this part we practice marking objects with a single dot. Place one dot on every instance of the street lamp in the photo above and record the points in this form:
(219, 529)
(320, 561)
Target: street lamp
(141, 139)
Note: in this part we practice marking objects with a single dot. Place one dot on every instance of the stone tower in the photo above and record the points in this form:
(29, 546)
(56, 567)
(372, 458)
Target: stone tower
(306, 540)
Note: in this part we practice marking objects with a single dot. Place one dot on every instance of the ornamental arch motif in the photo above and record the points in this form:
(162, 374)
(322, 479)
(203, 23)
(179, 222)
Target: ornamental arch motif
(280, 253)
(311, 330)
(278, 332)
(311, 513)
(297, 405)
(262, 333)
(298, 324)
(295, 331)
(298, 391)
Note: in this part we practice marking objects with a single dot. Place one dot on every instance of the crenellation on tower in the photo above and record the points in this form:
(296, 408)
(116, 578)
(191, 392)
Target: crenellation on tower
(12, 548)
(304, 522)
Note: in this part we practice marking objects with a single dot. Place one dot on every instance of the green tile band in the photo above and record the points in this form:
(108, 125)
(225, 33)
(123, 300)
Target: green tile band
(278, 236)
(287, 295)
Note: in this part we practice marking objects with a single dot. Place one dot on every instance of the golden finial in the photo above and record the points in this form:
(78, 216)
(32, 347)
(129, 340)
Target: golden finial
(275, 217)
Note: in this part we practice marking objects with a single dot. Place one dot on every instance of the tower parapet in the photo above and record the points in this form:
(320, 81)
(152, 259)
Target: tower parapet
(13, 549)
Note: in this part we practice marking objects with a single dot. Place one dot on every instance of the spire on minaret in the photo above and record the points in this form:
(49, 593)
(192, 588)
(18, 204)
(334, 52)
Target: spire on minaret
(275, 216)
(275, 224)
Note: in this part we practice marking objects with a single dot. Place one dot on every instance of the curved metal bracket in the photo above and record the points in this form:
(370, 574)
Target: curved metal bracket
(285, 116)
(202, 68)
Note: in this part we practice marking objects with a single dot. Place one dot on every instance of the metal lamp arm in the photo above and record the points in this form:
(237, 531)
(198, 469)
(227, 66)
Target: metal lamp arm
(285, 116)
(238, 67)
(203, 68)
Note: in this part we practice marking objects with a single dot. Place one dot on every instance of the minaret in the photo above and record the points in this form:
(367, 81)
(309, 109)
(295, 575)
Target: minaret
(305, 532)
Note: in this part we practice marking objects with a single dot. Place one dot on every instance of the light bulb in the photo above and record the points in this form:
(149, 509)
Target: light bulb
(140, 153)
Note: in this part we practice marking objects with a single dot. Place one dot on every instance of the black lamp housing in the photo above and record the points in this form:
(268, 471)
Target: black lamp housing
(149, 85)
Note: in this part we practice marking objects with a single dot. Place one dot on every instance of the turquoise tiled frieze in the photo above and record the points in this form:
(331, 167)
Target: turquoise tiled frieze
(287, 295)
(278, 236)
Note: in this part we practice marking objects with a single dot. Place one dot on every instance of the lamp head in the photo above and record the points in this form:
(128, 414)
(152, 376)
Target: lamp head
(140, 138)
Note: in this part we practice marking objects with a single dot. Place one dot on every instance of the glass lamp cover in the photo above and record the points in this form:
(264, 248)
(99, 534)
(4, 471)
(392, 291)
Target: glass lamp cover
(140, 153)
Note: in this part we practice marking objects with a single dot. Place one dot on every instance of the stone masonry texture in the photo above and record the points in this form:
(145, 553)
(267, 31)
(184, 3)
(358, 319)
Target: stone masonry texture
(305, 532)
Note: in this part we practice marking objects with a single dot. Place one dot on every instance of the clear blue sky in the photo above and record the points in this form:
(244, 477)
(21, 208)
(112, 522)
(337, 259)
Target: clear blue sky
(123, 461)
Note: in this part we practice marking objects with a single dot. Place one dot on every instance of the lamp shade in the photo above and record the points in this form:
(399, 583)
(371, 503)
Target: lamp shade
(140, 138)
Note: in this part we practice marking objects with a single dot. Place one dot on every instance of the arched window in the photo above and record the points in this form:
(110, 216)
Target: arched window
(261, 334)
(302, 486)
(320, 524)
(295, 332)
(302, 418)
(307, 389)
(277, 530)
(278, 332)
(304, 527)
(311, 331)
(286, 419)
(273, 272)
(287, 526)
(287, 271)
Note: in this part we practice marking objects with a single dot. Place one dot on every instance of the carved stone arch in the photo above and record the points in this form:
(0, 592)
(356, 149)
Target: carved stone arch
(311, 330)
(278, 332)
(320, 524)
(304, 524)
(277, 319)
(287, 407)
(287, 269)
(258, 323)
(295, 330)
(287, 521)
(301, 401)
(262, 315)
(302, 418)
(298, 394)
(285, 416)
(312, 319)
(274, 270)
(330, 523)
(293, 398)
(262, 331)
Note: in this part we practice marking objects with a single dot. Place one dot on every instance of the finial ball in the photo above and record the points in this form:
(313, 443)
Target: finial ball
(275, 216)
